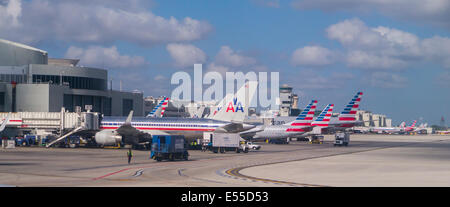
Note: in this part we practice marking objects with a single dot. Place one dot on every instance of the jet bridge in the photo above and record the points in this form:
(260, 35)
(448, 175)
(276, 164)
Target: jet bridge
(58, 123)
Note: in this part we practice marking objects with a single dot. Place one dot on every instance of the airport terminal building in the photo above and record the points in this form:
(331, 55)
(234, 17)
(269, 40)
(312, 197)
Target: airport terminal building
(32, 82)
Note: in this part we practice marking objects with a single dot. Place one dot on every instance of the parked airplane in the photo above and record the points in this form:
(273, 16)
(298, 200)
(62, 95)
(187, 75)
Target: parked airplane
(422, 127)
(296, 128)
(393, 130)
(137, 130)
(159, 109)
(347, 118)
(412, 127)
(303, 120)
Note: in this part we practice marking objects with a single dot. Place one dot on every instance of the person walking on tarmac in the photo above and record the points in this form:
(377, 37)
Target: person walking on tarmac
(129, 155)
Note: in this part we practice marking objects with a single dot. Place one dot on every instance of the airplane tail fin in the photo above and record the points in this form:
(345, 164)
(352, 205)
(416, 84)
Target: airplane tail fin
(413, 124)
(305, 118)
(403, 124)
(325, 116)
(349, 113)
(235, 107)
(159, 109)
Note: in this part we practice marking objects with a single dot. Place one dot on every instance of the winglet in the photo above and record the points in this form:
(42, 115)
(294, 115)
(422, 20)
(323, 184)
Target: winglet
(128, 121)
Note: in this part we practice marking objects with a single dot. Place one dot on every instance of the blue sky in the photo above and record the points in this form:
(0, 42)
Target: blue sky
(397, 53)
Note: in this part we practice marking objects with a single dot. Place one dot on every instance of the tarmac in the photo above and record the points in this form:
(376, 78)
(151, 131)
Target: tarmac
(369, 160)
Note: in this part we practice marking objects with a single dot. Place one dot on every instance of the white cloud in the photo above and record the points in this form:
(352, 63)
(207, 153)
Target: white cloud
(9, 14)
(434, 12)
(386, 80)
(312, 56)
(186, 55)
(160, 78)
(365, 60)
(104, 57)
(134, 80)
(99, 22)
(311, 79)
(386, 48)
(227, 57)
(212, 67)
(437, 49)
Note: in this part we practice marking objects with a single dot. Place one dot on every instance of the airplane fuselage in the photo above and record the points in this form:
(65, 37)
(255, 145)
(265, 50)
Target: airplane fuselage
(189, 127)
(277, 132)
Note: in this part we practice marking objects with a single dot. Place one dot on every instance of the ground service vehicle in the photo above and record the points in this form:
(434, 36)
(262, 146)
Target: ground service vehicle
(222, 142)
(251, 145)
(169, 147)
(316, 139)
(341, 139)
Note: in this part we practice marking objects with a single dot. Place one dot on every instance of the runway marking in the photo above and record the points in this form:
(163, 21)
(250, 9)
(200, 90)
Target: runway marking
(180, 173)
(138, 173)
(109, 174)
(236, 175)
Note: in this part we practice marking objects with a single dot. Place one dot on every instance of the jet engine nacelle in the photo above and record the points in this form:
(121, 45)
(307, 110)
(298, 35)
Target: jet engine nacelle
(107, 138)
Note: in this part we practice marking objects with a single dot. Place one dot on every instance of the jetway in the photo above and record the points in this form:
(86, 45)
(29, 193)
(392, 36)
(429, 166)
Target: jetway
(59, 122)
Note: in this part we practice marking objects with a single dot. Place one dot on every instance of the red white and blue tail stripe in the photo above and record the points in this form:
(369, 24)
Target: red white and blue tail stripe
(306, 117)
(325, 116)
(349, 113)
(162, 104)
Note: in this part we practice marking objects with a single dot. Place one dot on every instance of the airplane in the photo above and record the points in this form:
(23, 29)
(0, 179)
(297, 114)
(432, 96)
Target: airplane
(443, 132)
(139, 129)
(422, 127)
(294, 129)
(393, 130)
(285, 130)
(389, 130)
(347, 118)
(159, 109)
(411, 128)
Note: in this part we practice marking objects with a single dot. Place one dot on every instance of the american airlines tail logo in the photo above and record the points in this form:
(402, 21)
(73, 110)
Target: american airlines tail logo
(325, 116)
(305, 118)
(163, 103)
(349, 113)
(235, 106)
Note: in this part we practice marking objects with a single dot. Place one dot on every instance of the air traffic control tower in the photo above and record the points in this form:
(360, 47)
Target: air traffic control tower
(32, 82)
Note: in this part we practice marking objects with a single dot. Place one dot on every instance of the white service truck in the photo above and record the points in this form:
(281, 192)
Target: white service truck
(222, 142)
(341, 139)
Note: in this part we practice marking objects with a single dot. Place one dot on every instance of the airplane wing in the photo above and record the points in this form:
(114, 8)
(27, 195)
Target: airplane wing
(252, 132)
(233, 128)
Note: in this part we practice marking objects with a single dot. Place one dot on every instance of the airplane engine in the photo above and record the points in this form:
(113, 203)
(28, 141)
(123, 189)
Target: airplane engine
(106, 138)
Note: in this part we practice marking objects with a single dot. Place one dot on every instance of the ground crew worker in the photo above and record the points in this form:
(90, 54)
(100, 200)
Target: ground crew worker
(129, 154)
